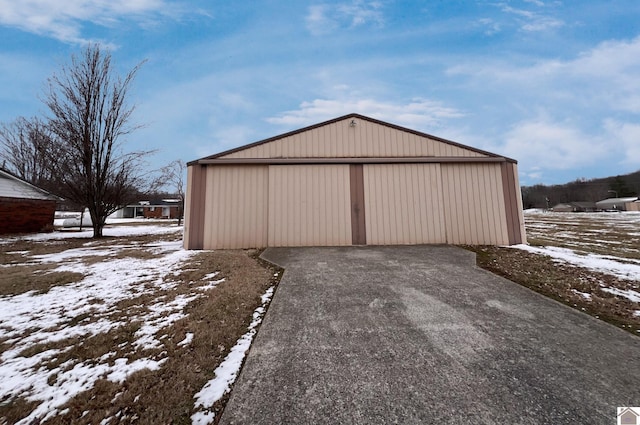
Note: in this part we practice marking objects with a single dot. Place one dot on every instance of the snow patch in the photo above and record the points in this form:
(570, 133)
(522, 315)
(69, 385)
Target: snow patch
(227, 371)
(599, 263)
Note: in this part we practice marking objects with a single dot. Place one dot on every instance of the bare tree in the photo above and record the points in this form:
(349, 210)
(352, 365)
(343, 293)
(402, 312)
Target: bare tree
(23, 146)
(172, 176)
(89, 117)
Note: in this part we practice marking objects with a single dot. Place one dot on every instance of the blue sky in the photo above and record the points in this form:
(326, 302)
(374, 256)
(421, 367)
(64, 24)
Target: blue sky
(553, 84)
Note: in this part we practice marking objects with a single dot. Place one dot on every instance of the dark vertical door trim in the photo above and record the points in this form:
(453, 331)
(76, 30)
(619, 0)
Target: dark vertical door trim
(358, 228)
(511, 203)
(197, 210)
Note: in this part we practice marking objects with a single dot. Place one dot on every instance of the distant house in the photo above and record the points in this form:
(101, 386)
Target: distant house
(24, 208)
(575, 207)
(619, 204)
(155, 208)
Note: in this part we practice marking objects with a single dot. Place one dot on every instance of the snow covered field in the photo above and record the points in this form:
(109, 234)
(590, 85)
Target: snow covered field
(607, 243)
(133, 281)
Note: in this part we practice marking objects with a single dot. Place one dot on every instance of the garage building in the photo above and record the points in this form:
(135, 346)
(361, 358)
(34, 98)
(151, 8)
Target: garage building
(352, 180)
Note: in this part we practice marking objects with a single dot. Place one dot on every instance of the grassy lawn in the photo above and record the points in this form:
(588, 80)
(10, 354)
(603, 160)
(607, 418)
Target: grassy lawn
(595, 237)
(126, 329)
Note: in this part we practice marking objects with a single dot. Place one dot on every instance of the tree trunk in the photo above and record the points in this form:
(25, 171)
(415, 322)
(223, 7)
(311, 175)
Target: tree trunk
(97, 230)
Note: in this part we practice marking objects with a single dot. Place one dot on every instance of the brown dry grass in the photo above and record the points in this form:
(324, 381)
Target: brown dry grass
(561, 281)
(217, 320)
(586, 233)
(19, 279)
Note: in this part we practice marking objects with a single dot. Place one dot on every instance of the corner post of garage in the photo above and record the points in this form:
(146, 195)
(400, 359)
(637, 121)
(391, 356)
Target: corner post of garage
(195, 206)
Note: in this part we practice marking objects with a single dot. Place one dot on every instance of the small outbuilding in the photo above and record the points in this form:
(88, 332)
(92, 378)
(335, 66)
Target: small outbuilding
(575, 207)
(353, 180)
(618, 204)
(24, 208)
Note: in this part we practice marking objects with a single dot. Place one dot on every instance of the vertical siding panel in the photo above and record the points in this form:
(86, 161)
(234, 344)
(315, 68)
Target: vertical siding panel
(456, 210)
(370, 188)
(446, 201)
(272, 236)
(431, 205)
(484, 223)
(376, 142)
(401, 206)
(466, 205)
(421, 210)
(236, 207)
(438, 189)
(435, 149)
(416, 184)
(309, 205)
(210, 208)
(473, 206)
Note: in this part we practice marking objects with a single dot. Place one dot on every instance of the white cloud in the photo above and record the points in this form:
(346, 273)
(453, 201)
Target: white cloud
(542, 23)
(542, 144)
(536, 2)
(627, 136)
(492, 27)
(325, 18)
(602, 77)
(63, 20)
(417, 114)
(533, 21)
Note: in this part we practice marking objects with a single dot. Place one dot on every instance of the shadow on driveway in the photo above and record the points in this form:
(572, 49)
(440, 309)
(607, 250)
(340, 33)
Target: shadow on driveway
(420, 335)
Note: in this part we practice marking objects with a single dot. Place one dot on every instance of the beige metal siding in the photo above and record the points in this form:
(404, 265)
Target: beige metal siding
(341, 140)
(309, 205)
(236, 207)
(194, 207)
(403, 204)
(474, 204)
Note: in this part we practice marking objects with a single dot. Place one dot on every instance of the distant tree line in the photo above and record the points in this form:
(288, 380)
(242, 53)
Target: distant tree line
(581, 190)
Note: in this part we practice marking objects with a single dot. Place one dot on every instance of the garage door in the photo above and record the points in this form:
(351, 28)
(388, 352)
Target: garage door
(309, 205)
(403, 204)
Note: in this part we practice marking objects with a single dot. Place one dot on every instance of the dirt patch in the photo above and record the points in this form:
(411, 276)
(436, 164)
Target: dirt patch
(574, 286)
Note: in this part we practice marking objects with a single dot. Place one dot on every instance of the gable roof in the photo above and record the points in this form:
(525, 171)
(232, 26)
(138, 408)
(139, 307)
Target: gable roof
(12, 186)
(240, 152)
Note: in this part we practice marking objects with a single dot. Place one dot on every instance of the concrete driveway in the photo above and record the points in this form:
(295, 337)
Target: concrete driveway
(419, 335)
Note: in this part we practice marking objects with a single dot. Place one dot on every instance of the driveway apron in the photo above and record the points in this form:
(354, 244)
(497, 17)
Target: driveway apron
(420, 335)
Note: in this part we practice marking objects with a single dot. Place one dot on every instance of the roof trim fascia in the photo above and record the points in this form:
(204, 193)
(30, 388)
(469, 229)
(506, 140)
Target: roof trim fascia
(366, 160)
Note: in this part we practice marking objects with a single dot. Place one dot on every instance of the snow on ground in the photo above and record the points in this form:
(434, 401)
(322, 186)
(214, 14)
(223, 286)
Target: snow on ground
(84, 309)
(227, 371)
(603, 264)
(602, 242)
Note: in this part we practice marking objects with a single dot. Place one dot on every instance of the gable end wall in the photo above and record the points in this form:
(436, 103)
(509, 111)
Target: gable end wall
(365, 139)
